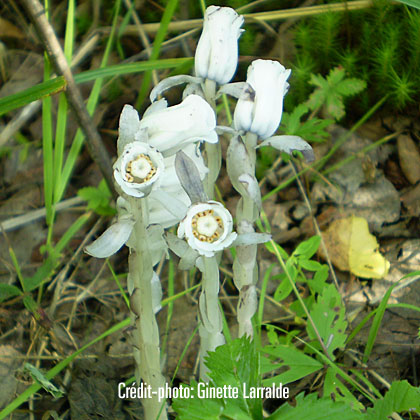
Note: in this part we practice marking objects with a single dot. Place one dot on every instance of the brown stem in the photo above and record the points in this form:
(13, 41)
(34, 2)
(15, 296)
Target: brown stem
(49, 39)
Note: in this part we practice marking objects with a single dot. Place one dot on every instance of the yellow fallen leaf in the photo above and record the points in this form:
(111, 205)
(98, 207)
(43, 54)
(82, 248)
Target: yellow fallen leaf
(353, 248)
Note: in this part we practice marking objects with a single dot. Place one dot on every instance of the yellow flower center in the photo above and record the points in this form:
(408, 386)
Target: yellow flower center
(140, 169)
(207, 227)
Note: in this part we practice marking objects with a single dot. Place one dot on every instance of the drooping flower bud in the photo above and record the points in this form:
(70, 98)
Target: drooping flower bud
(171, 128)
(216, 57)
(208, 228)
(260, 107)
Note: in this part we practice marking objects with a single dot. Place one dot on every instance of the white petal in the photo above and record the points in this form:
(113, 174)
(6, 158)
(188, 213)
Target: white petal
(289, 144)
(129, 125)
(216, 57)
(112, 239)
(170, 82)
(174, 127)
(251, 239)
(156, 293)
(159, 105)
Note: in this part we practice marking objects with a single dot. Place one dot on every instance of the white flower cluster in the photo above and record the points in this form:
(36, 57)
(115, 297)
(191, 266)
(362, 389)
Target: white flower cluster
(145, 167)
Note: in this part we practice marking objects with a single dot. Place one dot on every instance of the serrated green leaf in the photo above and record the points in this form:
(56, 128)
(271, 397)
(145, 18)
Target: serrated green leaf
(311, 408)
(328, 314)
(297, 363)
(312, 130)
(400, 397)
(337, 391)
(233, 364)
(330, 92)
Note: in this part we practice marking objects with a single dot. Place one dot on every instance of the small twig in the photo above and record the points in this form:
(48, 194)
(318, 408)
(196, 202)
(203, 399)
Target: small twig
(143, 36)
(317, 229)
(31, 216)
(96, 148)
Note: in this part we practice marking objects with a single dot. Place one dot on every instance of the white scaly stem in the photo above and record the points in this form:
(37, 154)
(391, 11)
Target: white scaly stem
(146, 332)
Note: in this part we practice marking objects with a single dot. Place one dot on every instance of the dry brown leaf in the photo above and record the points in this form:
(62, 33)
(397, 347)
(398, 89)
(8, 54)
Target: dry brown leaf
(409, 156)
(9, 30)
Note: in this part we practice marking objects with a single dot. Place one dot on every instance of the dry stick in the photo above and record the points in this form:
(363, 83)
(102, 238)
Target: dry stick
(318, 230)
(143, 37)
(49, 39)
(299, 12)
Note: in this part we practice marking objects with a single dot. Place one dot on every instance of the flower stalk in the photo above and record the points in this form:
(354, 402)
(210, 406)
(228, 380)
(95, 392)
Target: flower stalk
(146, 332)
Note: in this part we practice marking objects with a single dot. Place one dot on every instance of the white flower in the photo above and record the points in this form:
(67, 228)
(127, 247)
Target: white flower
(160, 213)
(259, 109)
(138, 169)
(216, 57)
(116, 235)
(207, 228)
(169, 129)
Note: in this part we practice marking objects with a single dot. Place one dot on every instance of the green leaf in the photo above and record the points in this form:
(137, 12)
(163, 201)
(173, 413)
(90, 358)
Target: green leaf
(312, 130)
(311, 265)
(412, 3)
(306, 249)
(330, 92)
(317, 284)
(284, 288)
(297, 363)
(39, 377)
(98, 199)
(25, 97)
(231, 365)
(311, 408)
(328, 314)
(8, 291)
(400, 397)
(337, 391)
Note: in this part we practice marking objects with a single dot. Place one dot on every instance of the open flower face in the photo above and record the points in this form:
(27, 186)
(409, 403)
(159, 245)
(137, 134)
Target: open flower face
(138, 169)
(216, 57)
(260, 108)
(170, 129)
(207, 228)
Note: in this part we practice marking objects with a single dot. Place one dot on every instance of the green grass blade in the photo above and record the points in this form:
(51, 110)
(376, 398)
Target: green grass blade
(25, 97)
(58, 368)
(60, 134)
(129, 68)
(45, 271)
(160, 36)
(91, 105)
(380, 311)
(412, 3)
(47, 148)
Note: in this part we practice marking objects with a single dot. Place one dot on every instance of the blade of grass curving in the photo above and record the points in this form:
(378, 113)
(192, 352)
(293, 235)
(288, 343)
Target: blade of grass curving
(58, 368)
(380, 311)
(91, 105)
(160, 36)
(299, 297)
(171, 292)
(412, 3)
(60, 134)
(25, 97)
(45, 271)
(115, 277)
(64, 363)
(260, 312)
(58, 84)
(47, 140)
